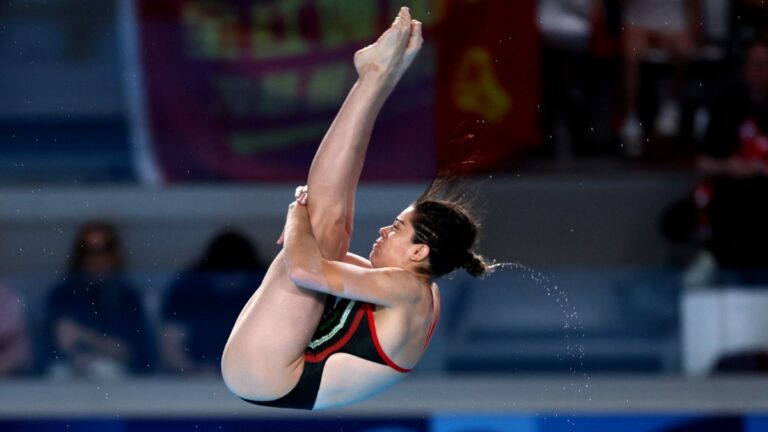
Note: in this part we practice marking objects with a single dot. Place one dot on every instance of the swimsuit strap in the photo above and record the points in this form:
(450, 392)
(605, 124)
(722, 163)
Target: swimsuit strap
(375, 337)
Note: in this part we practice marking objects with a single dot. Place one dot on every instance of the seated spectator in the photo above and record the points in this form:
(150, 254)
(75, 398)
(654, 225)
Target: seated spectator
(579, 66)
(734, 159)
(749, 21)
(671, 27)
(14, 339)
(735, 143)
(203, 304)
(96, 323)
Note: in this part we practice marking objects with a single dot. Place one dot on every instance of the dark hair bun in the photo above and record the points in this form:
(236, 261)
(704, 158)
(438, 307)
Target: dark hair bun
(475, 265)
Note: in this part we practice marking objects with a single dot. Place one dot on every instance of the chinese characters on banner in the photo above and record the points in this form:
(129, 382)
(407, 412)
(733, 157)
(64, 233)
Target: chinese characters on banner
(245, 90)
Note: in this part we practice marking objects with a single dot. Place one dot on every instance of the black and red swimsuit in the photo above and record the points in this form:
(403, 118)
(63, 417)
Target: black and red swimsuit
(347, 326)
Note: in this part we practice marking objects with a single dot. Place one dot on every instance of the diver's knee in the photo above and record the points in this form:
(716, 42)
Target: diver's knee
(247, 376)
(331, 231)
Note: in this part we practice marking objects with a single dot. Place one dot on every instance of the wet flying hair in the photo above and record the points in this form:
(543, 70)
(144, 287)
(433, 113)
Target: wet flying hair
(442, 220)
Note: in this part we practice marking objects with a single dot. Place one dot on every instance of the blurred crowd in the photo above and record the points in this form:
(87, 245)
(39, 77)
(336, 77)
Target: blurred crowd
(671, 81)
(96, 324)
(727, 210)
(644, 79)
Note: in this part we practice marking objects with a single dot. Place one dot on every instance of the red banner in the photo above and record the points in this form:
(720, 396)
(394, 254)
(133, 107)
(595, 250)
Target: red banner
(488, 83)
(245, 90)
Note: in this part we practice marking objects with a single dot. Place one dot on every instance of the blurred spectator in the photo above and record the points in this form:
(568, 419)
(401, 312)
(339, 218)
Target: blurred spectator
(96, 323)
(203, 304)
(14, 339)
(749, 21)
(667, 27)
(735, 145)
(734, 157)
(579, 61)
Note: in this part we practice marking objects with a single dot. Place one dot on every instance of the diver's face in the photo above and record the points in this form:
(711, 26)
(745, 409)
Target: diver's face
(394, 244)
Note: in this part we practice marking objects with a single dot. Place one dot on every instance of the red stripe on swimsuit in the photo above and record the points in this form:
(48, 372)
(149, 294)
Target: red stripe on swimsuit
(375, 337)
(343, 330)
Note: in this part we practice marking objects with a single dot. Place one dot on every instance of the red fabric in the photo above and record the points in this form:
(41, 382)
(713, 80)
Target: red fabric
(754, 142)
(488, 79)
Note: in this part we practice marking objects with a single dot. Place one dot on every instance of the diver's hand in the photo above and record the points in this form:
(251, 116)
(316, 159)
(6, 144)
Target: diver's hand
(300, 194)
(391, 55)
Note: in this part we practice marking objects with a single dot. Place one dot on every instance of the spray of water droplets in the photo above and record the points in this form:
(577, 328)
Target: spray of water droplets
(573, 329)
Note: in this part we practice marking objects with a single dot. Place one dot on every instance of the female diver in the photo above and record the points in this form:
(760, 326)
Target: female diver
(329, 328)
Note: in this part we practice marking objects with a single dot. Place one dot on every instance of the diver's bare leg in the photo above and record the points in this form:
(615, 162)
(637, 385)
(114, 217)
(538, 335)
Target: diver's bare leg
(336, 168)
(264, 354)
